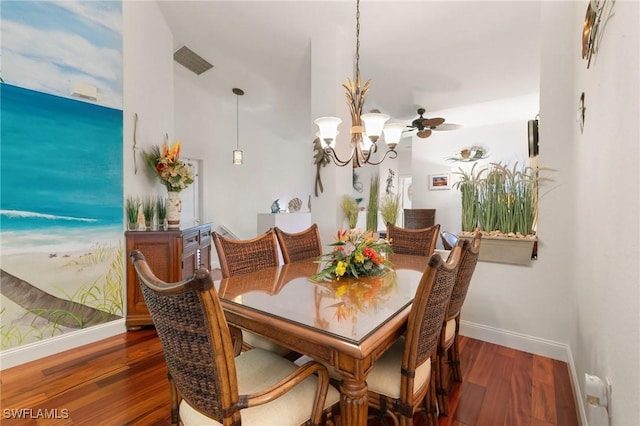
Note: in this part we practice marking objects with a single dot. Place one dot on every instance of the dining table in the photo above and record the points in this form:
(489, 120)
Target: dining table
(346, 323)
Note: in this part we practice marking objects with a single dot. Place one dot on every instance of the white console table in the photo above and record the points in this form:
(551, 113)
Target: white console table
(288, 222)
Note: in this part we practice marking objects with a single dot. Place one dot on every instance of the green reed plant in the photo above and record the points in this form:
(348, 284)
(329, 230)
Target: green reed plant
(500, 198)
(372, 209)
(468, 184)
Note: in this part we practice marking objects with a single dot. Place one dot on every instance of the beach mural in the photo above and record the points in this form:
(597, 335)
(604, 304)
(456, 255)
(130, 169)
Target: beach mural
(61, 220)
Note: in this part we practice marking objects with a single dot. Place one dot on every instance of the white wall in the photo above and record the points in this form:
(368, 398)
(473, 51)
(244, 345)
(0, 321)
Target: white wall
(275, 166)
(148, 90)
(605, 332)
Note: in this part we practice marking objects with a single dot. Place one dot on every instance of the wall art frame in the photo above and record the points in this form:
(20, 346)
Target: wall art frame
(440, 181)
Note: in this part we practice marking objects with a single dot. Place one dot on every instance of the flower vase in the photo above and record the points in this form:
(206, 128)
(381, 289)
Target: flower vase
(174, 208)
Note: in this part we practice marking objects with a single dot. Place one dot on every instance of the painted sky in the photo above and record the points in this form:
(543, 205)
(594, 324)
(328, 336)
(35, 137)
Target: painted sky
(47, 45)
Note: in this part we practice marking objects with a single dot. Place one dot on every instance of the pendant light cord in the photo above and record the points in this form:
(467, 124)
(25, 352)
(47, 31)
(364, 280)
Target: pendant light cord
(237, 122)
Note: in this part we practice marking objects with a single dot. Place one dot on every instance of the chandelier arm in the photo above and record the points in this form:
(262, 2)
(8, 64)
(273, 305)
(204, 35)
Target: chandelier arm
(331, 154)
(390, 153)
(373, 149)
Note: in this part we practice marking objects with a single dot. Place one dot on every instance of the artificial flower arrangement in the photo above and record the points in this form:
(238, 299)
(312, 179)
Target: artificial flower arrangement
(355, 253)
(355, 273)
(174, 173)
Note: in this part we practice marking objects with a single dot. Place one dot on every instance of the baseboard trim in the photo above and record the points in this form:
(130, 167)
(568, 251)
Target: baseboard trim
(36, 350)
(534, 345)
(510, 339)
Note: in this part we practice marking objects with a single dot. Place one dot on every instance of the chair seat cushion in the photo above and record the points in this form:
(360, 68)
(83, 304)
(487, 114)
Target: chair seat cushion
(260, 342)
(449, 333)
(258, 369)
(384, 377)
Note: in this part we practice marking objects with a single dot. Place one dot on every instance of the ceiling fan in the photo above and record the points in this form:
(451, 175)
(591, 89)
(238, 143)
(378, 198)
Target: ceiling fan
(426, 125)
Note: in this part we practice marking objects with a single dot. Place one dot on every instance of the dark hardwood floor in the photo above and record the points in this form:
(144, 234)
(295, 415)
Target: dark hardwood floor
(122, 381)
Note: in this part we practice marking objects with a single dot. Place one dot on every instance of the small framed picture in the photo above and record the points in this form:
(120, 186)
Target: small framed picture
(440, 181)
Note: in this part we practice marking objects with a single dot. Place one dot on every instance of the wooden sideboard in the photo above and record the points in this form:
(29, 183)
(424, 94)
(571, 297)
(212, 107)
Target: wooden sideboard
(172, 255)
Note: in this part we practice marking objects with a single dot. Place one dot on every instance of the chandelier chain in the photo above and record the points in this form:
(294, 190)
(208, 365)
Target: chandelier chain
(358, 44)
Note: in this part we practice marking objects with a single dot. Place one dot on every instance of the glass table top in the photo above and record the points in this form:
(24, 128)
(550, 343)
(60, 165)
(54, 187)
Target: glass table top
(348, 308)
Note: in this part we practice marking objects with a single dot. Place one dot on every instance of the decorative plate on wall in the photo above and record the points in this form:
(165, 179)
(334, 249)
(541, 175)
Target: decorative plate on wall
(469, 154)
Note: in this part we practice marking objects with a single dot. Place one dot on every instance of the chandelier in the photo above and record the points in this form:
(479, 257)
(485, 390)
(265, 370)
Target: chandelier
(366, 129)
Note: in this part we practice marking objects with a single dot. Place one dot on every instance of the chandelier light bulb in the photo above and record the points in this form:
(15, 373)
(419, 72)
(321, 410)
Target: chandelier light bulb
(393, 133)
(328, 127)
(373, 124)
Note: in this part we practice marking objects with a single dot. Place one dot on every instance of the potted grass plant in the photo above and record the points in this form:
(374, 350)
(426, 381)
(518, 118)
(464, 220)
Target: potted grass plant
(389, 208)
(161, 210)
(502, 202)
(350, 209)
(131, 207)
(148, 211)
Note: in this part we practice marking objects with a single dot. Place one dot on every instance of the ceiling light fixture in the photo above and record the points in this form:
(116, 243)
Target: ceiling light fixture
(237, 153)
(365, 128)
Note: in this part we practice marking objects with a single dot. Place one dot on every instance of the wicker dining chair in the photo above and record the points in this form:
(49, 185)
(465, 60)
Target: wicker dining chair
(418, 242)
(299, 245)
(419, 218)
(211, 386)
(403, 377)
(448, 352)
(243, 256)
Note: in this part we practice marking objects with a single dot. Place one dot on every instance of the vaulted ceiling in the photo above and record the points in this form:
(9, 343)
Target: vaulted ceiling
(432, 54)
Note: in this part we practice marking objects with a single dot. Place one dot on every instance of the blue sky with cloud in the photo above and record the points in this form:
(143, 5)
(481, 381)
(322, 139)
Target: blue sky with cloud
(47, 45)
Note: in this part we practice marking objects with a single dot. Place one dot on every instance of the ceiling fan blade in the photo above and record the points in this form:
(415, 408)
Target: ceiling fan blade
(424, 133)
(433, 122)
(449, 126)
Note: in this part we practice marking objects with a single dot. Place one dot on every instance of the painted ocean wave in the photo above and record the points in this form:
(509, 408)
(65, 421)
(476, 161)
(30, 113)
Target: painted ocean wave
(61, 239)
(26, 214)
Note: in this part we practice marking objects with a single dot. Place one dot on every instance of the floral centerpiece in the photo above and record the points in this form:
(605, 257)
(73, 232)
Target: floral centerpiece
(174, 173)
(356, 253)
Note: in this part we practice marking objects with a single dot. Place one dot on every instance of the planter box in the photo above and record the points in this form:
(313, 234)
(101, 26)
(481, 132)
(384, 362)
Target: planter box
(514, 251)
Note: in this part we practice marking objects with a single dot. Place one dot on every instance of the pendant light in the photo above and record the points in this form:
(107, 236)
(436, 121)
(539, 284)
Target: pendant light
(237, 153)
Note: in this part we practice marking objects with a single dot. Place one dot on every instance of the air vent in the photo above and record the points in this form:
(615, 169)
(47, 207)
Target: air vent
(191, 60)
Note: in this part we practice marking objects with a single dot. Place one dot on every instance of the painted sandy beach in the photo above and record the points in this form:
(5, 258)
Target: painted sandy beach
(84, 265)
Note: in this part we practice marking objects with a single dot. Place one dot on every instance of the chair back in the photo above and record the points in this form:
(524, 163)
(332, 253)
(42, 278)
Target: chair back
(244, 256)
(417, 242)
(299, 245)
(468, 264)
(419, 218)
(195, 339)
(427, 315)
